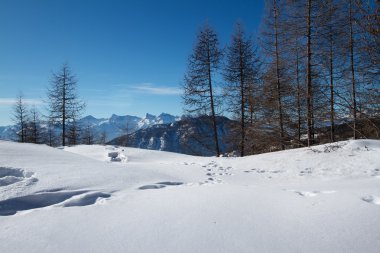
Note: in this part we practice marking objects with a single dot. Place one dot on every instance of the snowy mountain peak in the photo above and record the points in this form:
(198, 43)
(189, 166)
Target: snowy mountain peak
(113, 126)
(165, 118)
(150, 116)
(91, 120)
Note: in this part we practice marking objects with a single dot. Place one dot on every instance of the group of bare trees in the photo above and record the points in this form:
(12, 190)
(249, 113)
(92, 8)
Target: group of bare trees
(312, 76)
(59, 126)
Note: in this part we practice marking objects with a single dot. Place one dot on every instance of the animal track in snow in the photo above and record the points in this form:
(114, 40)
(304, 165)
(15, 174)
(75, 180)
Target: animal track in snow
(170, 183)
(10, 176)
(213, 170)
(372, 199)
(376, 172)
(261, 171)
(306, 171)
(310, 193)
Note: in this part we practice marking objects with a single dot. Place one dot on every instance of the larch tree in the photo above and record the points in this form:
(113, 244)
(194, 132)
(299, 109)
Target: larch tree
(294, 29)
(199, 83)
(64, 105)
(351, 47)
(309, 84)
(88, 137)
(364, 23)
(275, 77)
(240, 73)
(20, 118)
(330, 58)
(34, 129)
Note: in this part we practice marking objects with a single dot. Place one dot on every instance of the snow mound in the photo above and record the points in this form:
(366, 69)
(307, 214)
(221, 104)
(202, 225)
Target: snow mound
(9, 176)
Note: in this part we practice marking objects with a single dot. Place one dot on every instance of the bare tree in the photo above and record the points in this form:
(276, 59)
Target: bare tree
(20, 118)
(73, 132)
(240, 73)
(64, 104)
(199, 83)
(88, 137)
(34, 129)
(275, 77)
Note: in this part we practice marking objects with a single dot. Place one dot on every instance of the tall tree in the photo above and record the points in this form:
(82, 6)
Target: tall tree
(330, 55)
(199, 82)
(20, 118)
(273, 38)
(64, 104)
(363, 53)
(240, 74)
(309, 84)
(352, 46)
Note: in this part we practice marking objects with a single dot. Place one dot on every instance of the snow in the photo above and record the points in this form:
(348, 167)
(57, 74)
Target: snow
(116, 199)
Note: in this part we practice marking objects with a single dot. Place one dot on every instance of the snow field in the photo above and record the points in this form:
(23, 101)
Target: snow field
(116, 199)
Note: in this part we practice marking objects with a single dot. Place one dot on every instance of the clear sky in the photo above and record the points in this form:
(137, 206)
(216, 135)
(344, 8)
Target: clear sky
(129, 56)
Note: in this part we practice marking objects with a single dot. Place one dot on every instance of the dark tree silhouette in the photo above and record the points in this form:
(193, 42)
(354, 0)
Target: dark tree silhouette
(64, 104)
(199, 83)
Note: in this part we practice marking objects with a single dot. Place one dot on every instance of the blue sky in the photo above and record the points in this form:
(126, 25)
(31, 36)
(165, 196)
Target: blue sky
(129, 56)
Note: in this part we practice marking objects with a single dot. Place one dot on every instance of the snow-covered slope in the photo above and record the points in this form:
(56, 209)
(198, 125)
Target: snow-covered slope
(324, 199)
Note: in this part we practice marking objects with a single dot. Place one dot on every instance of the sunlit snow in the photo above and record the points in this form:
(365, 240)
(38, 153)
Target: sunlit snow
(115, 199)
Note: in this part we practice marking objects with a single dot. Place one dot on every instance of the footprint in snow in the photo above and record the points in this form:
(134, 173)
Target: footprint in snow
(372, 199)
(10, 176)
(310, 193)
(306, 171)
(159, 185)
(376, 172)
(151, 186)
(213, 169)
(170, 183)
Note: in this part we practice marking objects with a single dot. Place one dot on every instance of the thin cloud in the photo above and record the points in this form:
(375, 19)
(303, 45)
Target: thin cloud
(27, 101)
(156, 90)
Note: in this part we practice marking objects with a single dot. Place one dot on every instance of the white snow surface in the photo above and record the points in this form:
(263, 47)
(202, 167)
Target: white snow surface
(116, 199)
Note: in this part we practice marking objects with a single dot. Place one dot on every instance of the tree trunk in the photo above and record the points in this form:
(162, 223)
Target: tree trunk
(212, 105)
(309, 90)
(278, 82)
(332, 111)
(351, 45)
(64, 108)
(242, 101)
(298, 98)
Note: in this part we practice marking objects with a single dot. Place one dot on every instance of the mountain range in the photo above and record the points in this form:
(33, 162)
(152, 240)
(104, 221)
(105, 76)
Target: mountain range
(111, 127)
(165, 132)
(192, 136)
